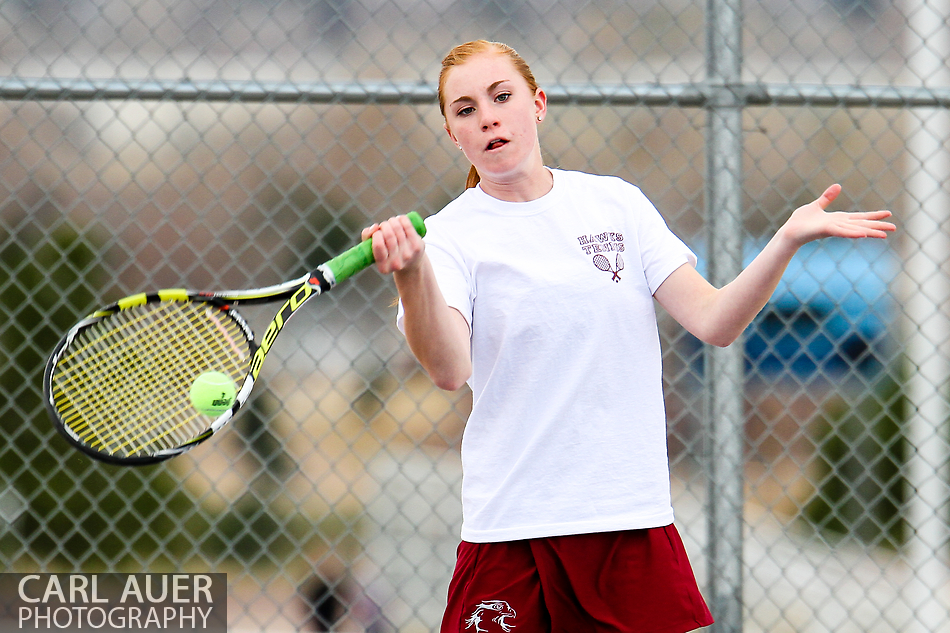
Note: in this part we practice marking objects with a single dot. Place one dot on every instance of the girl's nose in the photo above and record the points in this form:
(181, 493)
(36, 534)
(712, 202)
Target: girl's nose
(489, 120)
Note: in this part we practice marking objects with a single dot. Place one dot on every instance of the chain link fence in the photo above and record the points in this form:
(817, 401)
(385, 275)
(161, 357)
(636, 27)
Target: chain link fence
(211, 144)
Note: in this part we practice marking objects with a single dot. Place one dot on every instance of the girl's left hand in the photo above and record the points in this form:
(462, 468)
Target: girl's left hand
(811, 221)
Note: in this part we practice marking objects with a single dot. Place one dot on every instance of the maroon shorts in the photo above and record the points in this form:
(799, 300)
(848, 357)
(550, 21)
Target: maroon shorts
(637, 581)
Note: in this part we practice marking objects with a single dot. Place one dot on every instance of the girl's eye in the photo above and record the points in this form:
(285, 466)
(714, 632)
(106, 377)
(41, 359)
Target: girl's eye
(504, 96)
(465, 111)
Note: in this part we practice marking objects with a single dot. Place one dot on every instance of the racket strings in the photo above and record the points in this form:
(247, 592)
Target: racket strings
(145, 382)
(122, 386)
(127, 371)
(150, 382)
(167, 386)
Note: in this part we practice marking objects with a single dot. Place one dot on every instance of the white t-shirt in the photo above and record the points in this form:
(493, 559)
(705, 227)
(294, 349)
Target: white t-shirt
(567, 433)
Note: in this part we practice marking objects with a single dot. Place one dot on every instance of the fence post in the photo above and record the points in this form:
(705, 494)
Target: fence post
(926, 301)
(724, 366)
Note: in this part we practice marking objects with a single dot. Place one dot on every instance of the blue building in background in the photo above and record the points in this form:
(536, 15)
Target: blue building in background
(832, 312)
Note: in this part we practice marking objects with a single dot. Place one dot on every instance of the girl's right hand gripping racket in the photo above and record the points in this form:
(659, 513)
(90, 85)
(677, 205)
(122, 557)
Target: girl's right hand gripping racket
(118, 385)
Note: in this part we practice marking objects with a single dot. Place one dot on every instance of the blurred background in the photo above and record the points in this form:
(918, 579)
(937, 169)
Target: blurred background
(210, 144)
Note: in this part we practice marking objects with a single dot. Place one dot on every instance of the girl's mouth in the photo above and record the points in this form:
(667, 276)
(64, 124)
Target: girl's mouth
(495, 144)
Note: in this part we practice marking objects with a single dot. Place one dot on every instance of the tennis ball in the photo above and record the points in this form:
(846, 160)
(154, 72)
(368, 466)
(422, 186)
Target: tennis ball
(212, 393)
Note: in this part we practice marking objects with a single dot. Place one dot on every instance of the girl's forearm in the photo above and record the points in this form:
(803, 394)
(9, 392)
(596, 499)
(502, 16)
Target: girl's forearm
(438, 335)
(735, 305)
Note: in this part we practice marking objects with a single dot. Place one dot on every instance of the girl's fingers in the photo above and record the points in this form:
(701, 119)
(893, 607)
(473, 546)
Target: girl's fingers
(368, 232)
(395, 243)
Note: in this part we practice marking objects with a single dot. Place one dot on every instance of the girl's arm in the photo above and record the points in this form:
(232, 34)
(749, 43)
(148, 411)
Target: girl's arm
(438, 335)
(718, 316)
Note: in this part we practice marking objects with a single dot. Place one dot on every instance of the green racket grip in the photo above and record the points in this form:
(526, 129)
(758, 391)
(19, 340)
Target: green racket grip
(354, 260)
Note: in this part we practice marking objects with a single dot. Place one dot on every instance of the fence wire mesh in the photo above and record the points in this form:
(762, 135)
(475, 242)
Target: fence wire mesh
(211, 144)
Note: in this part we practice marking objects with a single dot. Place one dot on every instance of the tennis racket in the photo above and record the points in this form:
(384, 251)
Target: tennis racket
(117, 386)
(602, 263)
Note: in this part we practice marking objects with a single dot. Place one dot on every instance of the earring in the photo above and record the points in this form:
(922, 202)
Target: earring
(539, 119)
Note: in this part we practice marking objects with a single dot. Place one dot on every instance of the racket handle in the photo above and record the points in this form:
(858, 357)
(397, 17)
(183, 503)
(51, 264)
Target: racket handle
(354, 260)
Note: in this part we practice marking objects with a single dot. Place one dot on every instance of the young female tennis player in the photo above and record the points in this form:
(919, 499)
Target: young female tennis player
(536, 287)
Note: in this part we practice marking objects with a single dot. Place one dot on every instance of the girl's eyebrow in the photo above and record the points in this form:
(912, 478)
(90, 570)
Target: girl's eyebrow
(490, 88)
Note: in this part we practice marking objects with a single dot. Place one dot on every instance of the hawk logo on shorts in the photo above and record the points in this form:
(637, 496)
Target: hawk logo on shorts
(486, 610)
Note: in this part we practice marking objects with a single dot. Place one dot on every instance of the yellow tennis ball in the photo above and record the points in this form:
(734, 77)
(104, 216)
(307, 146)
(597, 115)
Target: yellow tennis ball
(212, 393)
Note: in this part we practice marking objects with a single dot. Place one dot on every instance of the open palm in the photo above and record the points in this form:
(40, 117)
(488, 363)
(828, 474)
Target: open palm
(812, 221)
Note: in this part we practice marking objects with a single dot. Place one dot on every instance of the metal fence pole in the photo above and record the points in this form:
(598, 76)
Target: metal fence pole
(928, 324)
(724, 369)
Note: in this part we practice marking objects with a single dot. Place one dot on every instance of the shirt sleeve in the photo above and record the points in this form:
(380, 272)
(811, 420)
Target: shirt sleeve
(661, 250)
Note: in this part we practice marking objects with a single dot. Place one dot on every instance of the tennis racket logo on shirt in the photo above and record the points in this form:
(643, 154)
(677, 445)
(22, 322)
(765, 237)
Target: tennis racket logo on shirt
(602, 263)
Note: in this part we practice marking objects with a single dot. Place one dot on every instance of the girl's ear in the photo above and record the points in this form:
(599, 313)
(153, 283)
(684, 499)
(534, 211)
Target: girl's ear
(451, 136)
(540, 104)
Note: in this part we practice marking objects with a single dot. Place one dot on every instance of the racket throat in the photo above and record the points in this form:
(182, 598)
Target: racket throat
(322, 278)
(319, 281)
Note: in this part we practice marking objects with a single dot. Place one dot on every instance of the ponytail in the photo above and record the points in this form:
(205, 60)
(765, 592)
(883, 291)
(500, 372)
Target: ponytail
(473, 178)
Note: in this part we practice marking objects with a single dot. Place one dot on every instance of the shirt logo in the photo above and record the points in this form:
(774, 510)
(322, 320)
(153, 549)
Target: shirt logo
(603, 246)
(485, 610)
